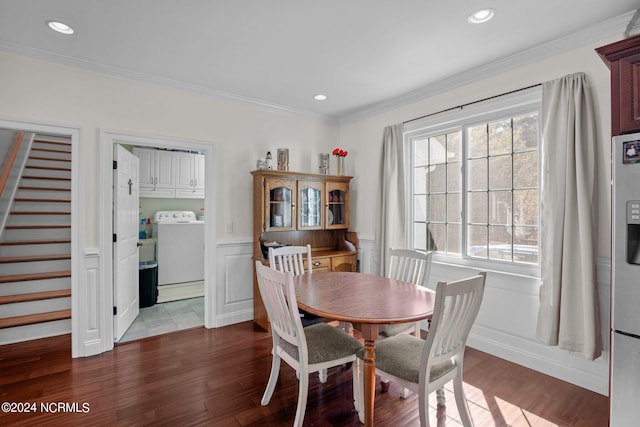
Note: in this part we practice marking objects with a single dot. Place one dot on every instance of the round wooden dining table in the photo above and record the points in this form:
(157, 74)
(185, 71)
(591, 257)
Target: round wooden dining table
(368, 302)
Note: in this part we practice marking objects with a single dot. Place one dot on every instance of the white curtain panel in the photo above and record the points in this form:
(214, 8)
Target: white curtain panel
(568, 314)
(390, 230)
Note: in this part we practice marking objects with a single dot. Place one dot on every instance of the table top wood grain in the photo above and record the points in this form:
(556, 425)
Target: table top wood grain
(362, 298)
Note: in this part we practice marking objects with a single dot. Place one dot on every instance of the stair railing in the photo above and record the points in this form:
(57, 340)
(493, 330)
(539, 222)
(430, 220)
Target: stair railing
(11, 173)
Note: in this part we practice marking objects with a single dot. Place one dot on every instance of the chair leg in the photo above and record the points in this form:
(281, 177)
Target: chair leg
(442, 401)
(303, 391)
(358, 388)
(461, 402)
(423, 406)
(322, 375)
(273, 379)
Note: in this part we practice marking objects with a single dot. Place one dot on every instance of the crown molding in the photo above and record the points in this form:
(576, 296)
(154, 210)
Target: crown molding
(108, 70)
(611, 27)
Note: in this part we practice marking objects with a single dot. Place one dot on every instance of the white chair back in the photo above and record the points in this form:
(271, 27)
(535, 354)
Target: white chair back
(279, 296)
(410, 266)
(456, 308)
(290, 259)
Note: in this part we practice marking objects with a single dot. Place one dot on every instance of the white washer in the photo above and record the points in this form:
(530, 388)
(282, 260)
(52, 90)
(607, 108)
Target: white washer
(179, 247)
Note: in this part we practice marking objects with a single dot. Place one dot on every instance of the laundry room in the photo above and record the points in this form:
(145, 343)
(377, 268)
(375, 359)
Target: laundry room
(171, 241)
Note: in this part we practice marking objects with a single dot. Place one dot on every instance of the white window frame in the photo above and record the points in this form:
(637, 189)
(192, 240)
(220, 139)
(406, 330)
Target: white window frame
(498, 108)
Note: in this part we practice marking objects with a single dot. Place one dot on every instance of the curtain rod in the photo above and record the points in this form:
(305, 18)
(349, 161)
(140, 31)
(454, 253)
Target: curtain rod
(471, 103)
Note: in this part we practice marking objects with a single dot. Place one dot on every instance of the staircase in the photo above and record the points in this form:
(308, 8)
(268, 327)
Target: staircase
(35, 247)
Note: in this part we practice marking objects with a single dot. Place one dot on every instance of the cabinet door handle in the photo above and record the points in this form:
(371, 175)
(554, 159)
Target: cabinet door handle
(317, 263)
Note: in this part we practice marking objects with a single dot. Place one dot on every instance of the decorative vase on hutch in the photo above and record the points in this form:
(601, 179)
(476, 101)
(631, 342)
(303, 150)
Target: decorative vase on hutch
(340, 168)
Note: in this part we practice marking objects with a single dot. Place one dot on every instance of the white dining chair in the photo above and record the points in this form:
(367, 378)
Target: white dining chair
(291, 258)
(310, 349)
(411, 266)
(425, 366)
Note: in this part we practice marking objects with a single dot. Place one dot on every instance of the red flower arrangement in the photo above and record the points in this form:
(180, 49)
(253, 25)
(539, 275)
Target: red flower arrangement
(339, 152)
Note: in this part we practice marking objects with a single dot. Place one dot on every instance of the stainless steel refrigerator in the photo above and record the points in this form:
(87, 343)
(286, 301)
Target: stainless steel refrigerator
(625, 282)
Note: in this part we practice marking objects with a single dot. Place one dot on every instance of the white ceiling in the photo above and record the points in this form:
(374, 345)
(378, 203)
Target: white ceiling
(360, 53)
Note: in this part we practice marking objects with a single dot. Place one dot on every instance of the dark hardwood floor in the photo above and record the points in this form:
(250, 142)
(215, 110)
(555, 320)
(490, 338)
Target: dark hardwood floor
(216, 377)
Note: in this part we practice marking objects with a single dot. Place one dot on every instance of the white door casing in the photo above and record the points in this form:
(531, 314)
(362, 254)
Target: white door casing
(125, 248)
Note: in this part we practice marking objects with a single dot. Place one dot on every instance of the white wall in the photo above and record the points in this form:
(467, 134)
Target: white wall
(506, 324)
(39, 91)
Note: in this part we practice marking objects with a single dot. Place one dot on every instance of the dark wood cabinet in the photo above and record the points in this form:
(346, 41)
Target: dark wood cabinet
(623, 59)
(294, 208)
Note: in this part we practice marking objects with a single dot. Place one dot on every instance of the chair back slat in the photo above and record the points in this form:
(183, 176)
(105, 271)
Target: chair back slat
(278, 293)
(410, 266)
(456, 308)
(290, 259)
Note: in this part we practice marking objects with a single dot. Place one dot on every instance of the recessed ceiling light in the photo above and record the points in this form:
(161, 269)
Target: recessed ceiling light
(481, 16)
(60, 27)
(320, 97)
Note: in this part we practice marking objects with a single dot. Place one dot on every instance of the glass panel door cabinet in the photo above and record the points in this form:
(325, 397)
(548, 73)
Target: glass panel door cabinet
(337, 205)
(280, 206)
(310, 202)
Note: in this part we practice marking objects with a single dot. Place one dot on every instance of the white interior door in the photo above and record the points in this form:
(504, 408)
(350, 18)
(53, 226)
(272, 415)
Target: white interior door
(125, 248)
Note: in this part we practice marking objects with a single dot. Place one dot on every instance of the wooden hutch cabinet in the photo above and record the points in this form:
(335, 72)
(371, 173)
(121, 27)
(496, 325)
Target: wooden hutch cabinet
(293, 208)
(623, 59)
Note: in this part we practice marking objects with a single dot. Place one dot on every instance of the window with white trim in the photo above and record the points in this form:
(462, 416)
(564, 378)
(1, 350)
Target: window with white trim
(475, 185)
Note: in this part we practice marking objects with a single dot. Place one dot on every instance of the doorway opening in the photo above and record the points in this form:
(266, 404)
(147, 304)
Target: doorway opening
(180, 305)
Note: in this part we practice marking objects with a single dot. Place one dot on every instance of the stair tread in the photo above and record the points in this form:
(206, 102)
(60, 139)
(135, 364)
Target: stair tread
(34, 276)
(51, 150)
(48, 178)
(40, 213)
(30, 319)
(40, 199)
(48, 168)
(35, 296)
(34, 242)
(33, 188)
(49, 159)
(36, 226)
(46, 141)
(31, 258)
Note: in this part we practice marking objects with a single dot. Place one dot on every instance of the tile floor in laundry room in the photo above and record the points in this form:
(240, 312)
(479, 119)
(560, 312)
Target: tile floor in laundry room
(166, 317)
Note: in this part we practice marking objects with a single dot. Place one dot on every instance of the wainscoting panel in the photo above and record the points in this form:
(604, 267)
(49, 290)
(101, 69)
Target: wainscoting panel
(234, 287)
(88, 309)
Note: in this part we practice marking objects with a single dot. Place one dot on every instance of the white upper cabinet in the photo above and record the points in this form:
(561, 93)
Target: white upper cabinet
(189, 175)
(170, 174)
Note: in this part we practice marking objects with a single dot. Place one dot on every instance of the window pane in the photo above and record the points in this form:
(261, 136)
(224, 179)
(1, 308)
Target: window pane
(421, 152)
(525, 169)
(477, 208)
(438, 207)
(477, 176)
(500, 243)
(438, 237)
(477, 241)
(420, 235)
(454, 177)
(420, 180)
(437, 149)
(525, 207)
(500, 207)
(438, 179)
(454, 239)
(500, 172)
(477, 141)
(454, 207)
(525, 132)
(500, 137)
(420, 208)
(454, 146)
